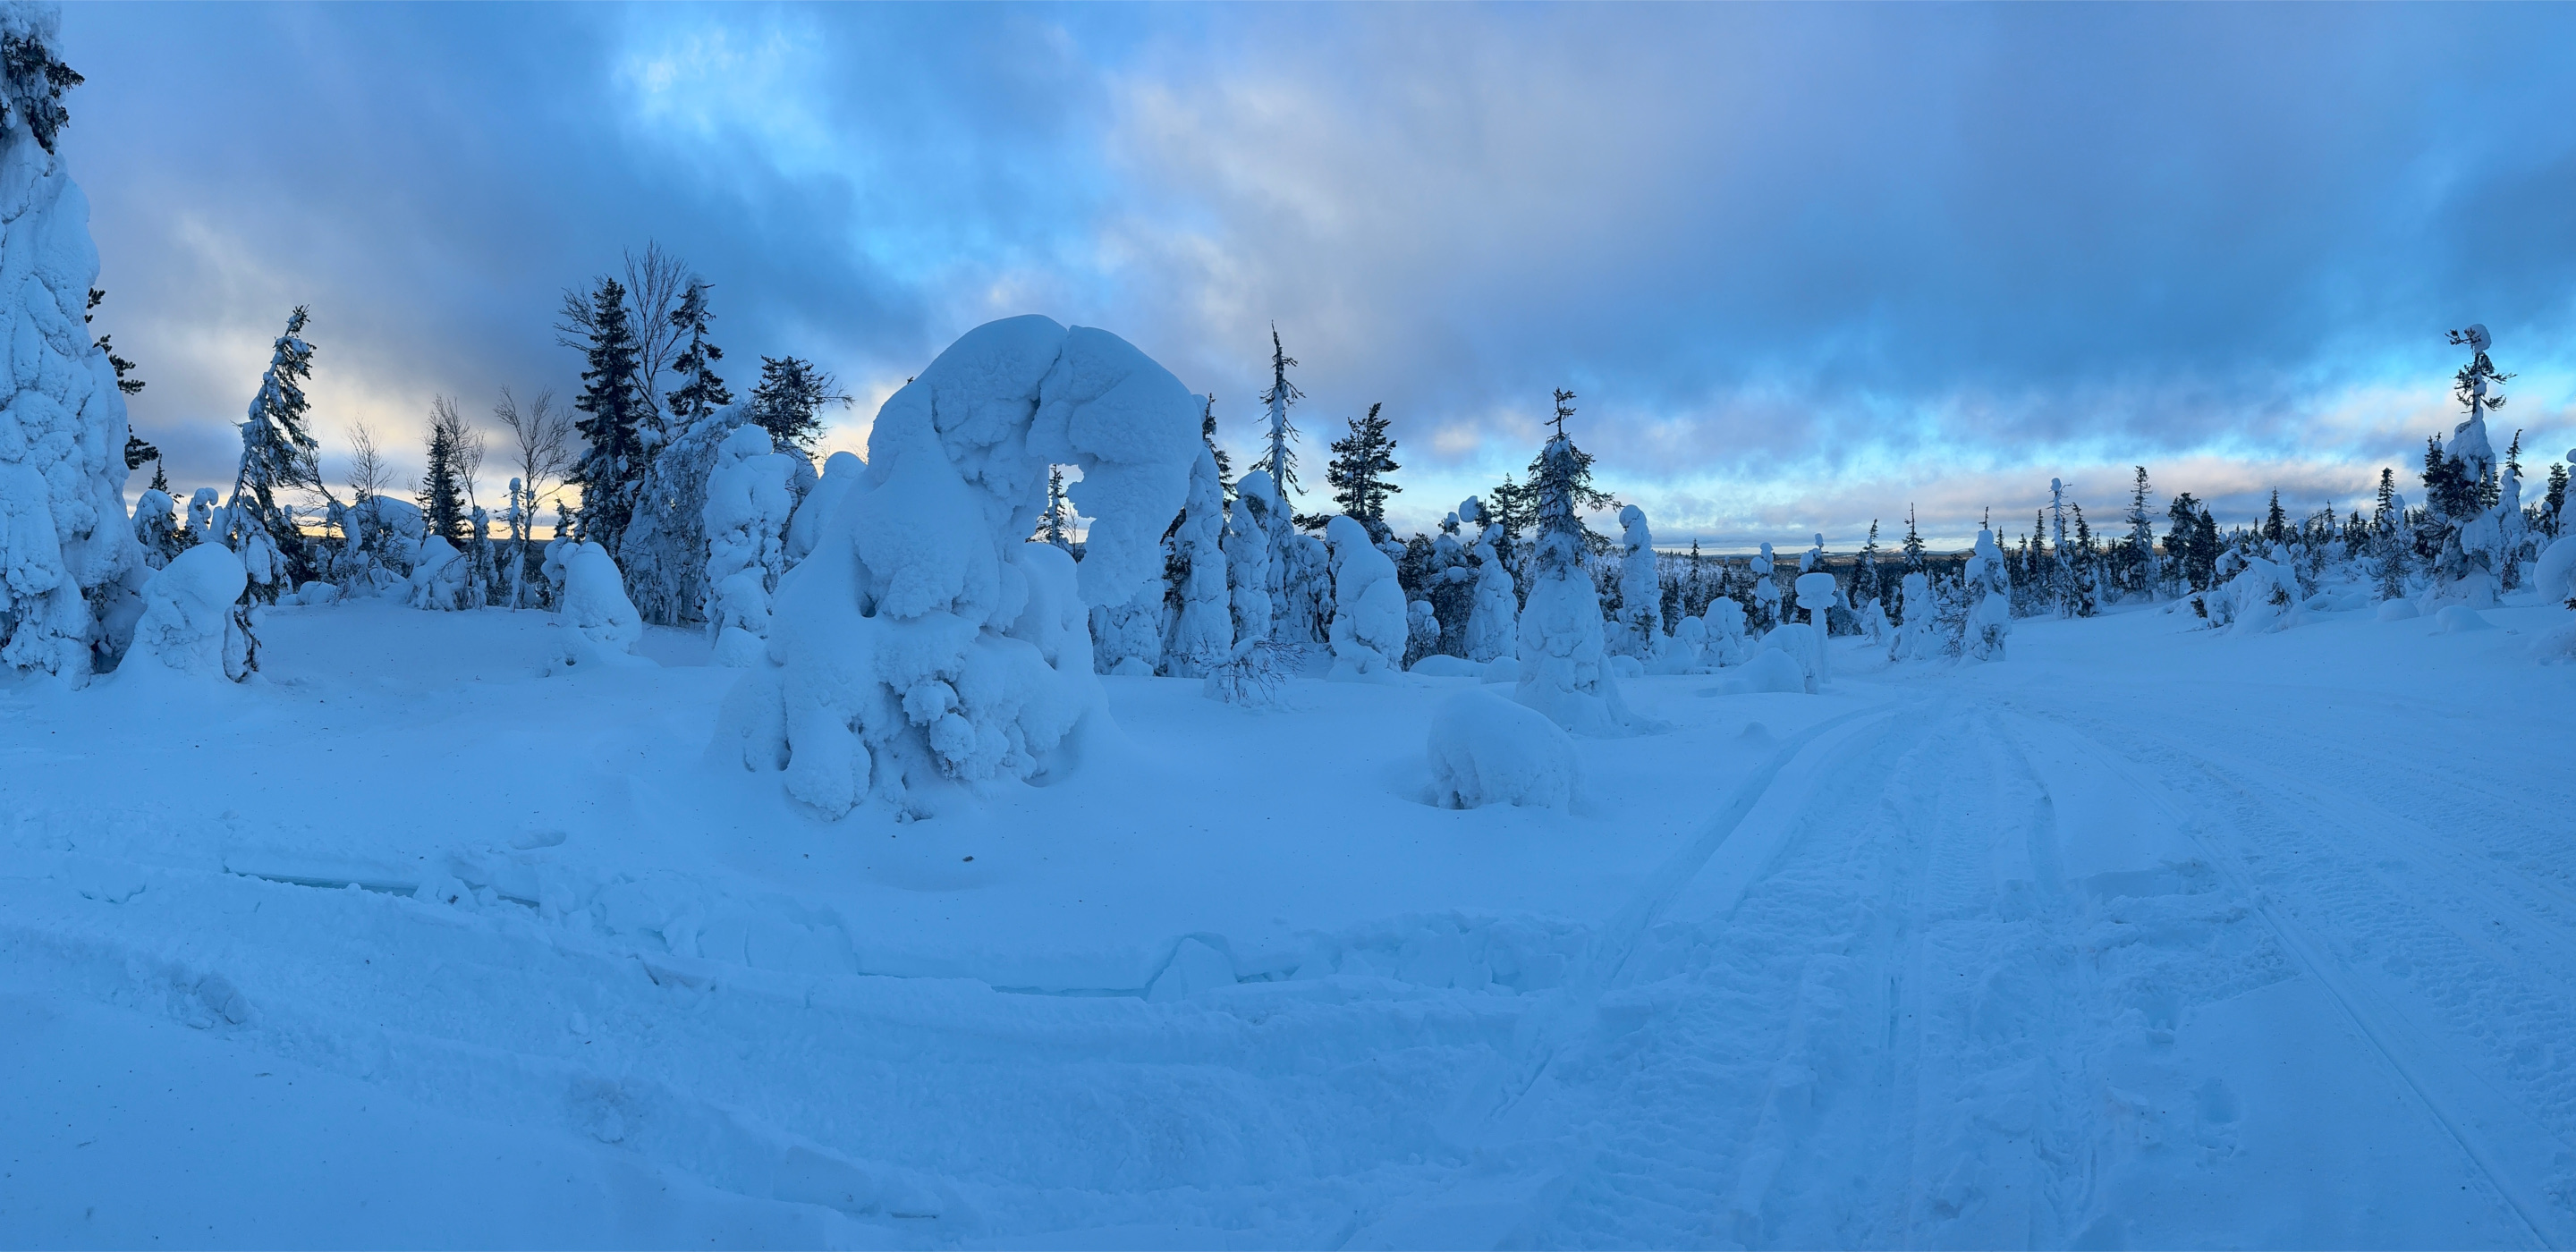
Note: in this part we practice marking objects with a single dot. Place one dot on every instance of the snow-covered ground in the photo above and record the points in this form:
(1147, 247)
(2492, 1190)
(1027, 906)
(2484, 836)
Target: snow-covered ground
(2143, 937)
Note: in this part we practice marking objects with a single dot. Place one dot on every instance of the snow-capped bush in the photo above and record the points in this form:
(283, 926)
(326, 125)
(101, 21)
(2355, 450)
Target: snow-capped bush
(1251, 676)
(1368, 630)
(1127, 639)
(157, 534)
(2554, 574)
(604, 622)
(1724, 640)
(66, 546)
(190, 624)
(744, 518)
(1803, 644)
(441, 577)
(663, 550)
(924, 645)
(1488, 750)
(1685, 652)
(2263, 596)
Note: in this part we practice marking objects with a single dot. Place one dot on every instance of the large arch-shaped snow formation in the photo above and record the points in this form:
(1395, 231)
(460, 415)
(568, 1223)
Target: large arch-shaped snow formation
(925, 645)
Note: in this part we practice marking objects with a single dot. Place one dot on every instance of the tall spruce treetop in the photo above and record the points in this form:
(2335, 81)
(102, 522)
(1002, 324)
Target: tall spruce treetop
(1207, 435)
(1913, 542)
(614, 462)
(277, 451)
(442, 502)
(1561, 478)
(1357, 473)
(789, 400)
(1279, 458)
(700, 391)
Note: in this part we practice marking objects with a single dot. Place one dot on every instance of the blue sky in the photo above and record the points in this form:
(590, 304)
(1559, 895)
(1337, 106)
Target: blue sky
(1804, 265)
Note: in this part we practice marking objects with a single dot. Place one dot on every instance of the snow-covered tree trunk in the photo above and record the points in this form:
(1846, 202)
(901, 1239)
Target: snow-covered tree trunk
(69, 567)
(1203, 630)
(925, 647)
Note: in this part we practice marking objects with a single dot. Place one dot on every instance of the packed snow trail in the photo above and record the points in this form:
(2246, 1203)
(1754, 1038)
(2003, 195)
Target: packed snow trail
(2005, 955)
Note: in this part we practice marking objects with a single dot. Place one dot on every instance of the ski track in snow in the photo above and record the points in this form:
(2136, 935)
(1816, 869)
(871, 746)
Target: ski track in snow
(1974, 962)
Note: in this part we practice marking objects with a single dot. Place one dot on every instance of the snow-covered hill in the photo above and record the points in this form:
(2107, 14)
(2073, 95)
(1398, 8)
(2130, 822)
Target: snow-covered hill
(2144, 937)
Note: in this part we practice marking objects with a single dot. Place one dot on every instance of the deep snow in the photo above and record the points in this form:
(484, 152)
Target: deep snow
(2142, 937)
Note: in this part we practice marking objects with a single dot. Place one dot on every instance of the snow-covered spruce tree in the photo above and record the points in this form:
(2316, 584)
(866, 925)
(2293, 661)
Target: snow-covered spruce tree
(1641, 620)
(701, 391)
(1564, 666)
(1449, 583)
(665, 548)
(1249, 582)
(1919, 637)
(1127, 638)
(1493, 617)
(193, 622)
(1765, 607)
(790, 400)
(69, 566)
(1202, 634)
(2460, 485)
(1279, 461)
(616, 411)
(2141, 575)
(1369, 628)
(157, 533)
(441, 499)
(924, 648)
(2512, 528)
(1055, 521)
(1357, 473)
(1989, 618)
(744, 521)
(2083, 570)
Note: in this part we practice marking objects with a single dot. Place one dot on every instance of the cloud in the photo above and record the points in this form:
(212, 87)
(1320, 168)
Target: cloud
(1802, 264)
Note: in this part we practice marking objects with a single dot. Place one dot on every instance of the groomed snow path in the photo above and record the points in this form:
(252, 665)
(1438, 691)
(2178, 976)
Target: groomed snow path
(2142, 938)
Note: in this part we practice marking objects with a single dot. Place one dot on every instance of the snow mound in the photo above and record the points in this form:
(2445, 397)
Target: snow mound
(2554, 574)
(923, 647)
(1485, 749)
(1770, 670)
(596, 607)
(1442, 665)
(1502, 669)
(188, 624)
(2457, 619)
(2398, 610)
(1804, 645)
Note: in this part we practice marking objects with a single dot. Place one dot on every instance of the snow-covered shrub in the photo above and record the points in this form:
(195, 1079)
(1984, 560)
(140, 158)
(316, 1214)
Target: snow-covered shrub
(1127, 639)
(1724, 641)
(1485, 749)
(1368, 629)
(1804, 644)
(1252, 675)
(2264, 596)
(1305, 601)
(68, 561)
(2553, 575)
(924, 646)
(441, 578)
(2398, 610)
(1202, 625)
(1421, 631)
(1685, 652)
(604, 622)
(744, 518)
(191, 623)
